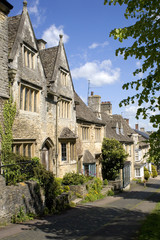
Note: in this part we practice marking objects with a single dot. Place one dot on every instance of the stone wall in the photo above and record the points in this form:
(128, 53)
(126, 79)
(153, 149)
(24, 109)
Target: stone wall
(27, 195)
(3, 55)
(12, 198)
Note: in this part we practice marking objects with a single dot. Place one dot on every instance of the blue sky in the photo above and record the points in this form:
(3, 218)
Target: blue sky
(85, 25)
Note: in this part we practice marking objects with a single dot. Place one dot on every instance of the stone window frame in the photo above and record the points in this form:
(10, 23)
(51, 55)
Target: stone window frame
(24, 147)
(29, 97)
(68, 150)
(64, 76)
(85, 132)
(64, 109)
(29, 56)
(98, 134)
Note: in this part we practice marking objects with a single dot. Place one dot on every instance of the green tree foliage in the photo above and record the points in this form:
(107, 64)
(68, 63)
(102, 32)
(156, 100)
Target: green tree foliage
(154, 171)
(154, 150)
(113, 158)
(146, 173)
(146, 47)
(9, 112)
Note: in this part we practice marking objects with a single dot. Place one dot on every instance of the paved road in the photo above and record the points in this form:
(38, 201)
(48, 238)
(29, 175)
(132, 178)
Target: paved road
(113, 218)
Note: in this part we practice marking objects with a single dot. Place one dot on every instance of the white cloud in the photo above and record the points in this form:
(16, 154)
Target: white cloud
(95, 45)
(51, 35)
(37, 12)
(99, 73)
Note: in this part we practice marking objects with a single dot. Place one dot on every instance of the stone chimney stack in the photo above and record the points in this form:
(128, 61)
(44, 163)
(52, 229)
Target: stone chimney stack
(5, 8)
(94, 102)
(127, 120)
(142, 129)
(136, 126)
(41, 44)
(106, 107)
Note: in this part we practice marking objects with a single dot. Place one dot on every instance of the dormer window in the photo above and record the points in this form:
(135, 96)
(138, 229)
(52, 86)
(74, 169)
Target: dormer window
(29, 58)
(117, 128)
(122, 132)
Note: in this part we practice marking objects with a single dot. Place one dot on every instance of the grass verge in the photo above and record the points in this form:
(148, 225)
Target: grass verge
(150, 229)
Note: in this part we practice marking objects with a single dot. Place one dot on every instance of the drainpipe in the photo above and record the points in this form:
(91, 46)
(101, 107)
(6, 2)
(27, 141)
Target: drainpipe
(56, 155)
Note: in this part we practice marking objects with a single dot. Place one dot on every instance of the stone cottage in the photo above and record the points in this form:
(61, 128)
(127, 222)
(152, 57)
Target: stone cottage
(141, 150)
(115, 128)
(90, 132)
(41, 85)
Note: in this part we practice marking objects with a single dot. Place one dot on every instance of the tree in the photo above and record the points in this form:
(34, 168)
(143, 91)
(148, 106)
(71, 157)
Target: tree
(113, 158)
(146, 47)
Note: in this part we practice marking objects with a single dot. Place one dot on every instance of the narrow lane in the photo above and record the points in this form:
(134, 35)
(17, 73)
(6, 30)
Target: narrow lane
(115, 217)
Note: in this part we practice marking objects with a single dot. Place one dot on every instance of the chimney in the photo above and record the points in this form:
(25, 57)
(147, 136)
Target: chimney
(127, 120)
(106, 107)
(41, 44)
(136, 126)
(142, 129)
(94, 102)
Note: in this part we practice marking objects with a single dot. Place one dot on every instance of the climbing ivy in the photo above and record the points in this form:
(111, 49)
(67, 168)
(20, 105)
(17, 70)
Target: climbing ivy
(9, 112)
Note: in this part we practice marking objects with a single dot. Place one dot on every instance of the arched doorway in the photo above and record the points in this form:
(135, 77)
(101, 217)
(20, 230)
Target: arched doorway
(47, 154)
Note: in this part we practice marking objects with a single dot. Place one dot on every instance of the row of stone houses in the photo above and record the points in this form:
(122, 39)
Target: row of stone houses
(52, 122)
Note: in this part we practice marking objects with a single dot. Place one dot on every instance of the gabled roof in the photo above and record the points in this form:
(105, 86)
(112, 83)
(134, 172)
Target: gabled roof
(143, 138)
(13, 24)
(84, 113)
(48, 58)
(67, 134)
(88, 157)
(111, 122)
(143, 134)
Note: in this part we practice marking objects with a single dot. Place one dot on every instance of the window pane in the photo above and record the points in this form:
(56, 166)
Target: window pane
(63, 149)
(35, 101)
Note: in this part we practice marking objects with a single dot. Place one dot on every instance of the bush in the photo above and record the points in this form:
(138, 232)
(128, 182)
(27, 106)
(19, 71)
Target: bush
(105, 182)
(73, 179)
(154, 171)
(146, 174)
(94, 191)
(110, 193)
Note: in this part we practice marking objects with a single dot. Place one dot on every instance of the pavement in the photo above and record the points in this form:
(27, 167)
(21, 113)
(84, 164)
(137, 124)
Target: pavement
(113, 218)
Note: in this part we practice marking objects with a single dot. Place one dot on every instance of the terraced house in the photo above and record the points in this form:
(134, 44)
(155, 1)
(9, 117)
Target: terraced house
(49, 116)
(41, 86)
(52, 122)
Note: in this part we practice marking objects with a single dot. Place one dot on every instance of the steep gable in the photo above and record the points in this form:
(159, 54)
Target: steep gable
(20, 31)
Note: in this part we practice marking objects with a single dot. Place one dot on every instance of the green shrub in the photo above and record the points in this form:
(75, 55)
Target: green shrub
(105, 182)
(73, 179)
(110, 193)
(154, 171)
(94, 191)
(21, 216)
(146, 174)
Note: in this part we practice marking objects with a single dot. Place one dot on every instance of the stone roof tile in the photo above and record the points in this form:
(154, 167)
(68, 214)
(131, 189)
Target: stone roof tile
(84, 113)
(67, 134)
(13, 24)
(48, 57)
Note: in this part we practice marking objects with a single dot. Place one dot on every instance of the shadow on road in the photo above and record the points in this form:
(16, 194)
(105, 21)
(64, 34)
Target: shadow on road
(82, 221)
